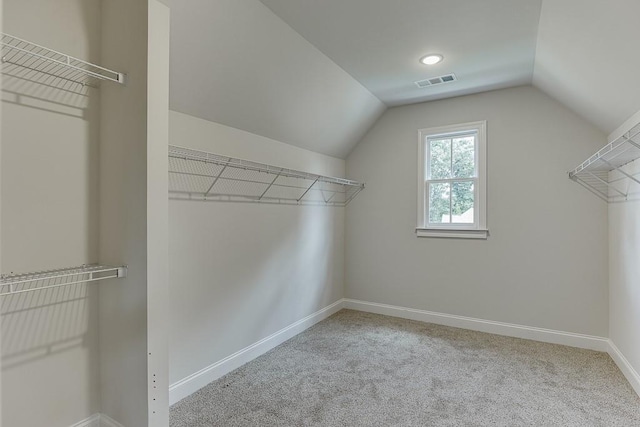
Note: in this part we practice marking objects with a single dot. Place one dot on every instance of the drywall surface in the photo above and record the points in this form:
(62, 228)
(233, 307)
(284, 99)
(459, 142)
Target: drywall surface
(624, 278)
(235, 62)
(379, 42)
(124, 176)
(545, 262)
(604, 90)
(158, 214)
(1, 6)
(49, 220)
(240, 271)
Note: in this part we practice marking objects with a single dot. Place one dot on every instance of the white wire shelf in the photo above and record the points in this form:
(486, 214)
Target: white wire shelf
(49, 66)
(27, 282)
(197, 175)
(605, 174)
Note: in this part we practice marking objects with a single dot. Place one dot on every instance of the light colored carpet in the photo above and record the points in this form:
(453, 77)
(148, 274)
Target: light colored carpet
(360, 369)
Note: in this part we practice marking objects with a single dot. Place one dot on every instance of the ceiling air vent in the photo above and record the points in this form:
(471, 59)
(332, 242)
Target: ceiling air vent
(433, 81)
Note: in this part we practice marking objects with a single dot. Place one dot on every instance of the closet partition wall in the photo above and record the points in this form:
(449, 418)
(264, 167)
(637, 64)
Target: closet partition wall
(85, 89)
(1, 10)
(50, 210)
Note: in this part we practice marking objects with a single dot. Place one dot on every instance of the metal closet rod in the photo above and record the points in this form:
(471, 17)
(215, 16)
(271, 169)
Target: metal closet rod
(190, 154)
(628, 138)
(27, 282)
(593, 173)
(198, 175)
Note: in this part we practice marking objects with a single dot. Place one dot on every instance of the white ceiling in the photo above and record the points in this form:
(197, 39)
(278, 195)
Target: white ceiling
(588, 58)
(488, 44)
(234, 62)
(305, 72)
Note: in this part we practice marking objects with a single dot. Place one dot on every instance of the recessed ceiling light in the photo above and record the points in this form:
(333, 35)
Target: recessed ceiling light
(431, 59)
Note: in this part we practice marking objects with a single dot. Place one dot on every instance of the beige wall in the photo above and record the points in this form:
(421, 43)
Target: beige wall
(1, 28)
(260, 75)
(49, 220)
(545, 262)
(624, 276)
(158, 215)
(129, 188)
(239, 271)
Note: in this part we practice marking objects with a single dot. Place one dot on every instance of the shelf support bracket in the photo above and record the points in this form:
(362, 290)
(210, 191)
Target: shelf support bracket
(122, 272)
(307, 190)
(329, 199)
(215, 180)
(619, 169)
(632, 142)
(272, 182)
(591, 189)
(607, 184)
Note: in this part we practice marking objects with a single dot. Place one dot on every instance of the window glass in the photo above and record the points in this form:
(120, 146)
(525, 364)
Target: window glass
(440, 159)
(452, 181)
(462, 198)
(439, 203)
(463, 164)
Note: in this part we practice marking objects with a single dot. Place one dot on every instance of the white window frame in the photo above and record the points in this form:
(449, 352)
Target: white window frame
(477, 230)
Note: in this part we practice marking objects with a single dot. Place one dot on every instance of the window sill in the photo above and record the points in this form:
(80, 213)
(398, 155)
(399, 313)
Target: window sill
(452, 233)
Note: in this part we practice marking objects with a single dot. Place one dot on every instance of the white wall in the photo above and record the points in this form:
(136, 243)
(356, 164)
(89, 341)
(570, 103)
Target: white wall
(235, 62)
(240, 271)
(565, 68)
(158, 214)
(69, 200)
(49, 220)
(133, 215)
(1, 28)
(624, 276)
(545, 262)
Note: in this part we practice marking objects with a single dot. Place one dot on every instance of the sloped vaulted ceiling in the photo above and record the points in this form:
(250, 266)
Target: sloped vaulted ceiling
(584, 53)
(488, 44)
(588, 58)
(234, 62)
(312, 73)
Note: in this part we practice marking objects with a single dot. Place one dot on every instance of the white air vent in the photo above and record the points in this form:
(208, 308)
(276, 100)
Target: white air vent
(433, 81)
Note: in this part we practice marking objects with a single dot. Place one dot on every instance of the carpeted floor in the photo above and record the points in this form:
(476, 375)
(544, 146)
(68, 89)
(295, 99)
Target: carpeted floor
(360, 369)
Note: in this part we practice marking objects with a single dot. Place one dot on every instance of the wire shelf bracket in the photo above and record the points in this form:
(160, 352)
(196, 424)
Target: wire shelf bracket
(198, 175)
(50, 64)
(27, 282)
(606, 174)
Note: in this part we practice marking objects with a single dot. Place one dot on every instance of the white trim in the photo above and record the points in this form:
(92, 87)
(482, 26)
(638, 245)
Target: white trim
(106, 421)
(480, 180)
(500, 328)
(98, 420)
(194, 382)
(625, 367)
(453, 233)
(92, 421)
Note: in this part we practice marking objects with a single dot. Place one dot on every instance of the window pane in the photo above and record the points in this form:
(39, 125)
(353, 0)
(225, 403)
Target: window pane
(440, 159)
(464, 157)
(462, 202)
(439, 206)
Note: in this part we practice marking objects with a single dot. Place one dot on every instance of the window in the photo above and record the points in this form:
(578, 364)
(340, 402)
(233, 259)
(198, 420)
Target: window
(452, 181)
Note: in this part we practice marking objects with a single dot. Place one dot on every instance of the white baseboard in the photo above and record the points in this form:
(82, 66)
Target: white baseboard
(508, 329)
(625, 367)
(92, 421)
(194, 382)
(98, 420)
(106, 421)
